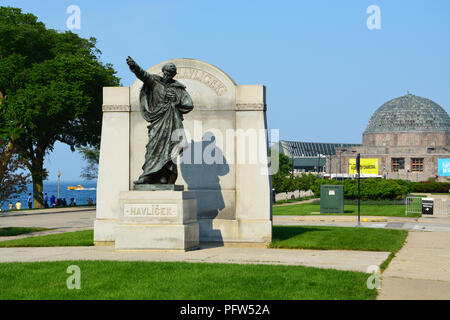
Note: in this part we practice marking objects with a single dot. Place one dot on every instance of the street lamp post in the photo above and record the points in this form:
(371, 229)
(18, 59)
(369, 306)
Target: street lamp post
(358, 169)
(59, 175)
(318, 163)
(330, 165)
(340, 160)
(292, 157)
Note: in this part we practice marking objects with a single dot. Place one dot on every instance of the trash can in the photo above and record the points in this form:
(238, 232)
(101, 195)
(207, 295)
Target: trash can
(332, 199)
(427, 206)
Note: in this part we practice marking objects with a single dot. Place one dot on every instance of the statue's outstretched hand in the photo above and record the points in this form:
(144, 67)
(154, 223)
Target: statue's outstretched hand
(131, 63)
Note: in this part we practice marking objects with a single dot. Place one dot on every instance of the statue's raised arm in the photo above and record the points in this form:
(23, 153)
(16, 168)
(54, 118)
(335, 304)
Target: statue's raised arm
(140, 73)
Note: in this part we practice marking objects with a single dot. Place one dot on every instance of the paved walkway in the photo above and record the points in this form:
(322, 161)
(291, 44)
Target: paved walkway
(411, 224)
(67, 221)
(25, 212)
(330, 259)
(421, 269)
(64, 219)
(59, 220)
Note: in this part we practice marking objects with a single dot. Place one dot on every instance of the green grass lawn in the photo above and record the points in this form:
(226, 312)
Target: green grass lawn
(290, 237)
(294, 237)
(350, 210)
(294, 200)
(15, 231)
(337, 238)
(78, 238)
(169, 281)
(201, 281)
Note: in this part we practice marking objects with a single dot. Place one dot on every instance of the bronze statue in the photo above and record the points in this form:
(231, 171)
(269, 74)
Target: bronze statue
(163, 101)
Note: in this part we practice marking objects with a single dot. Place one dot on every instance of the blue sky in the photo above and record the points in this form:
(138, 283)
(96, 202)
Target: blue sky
(325, 71)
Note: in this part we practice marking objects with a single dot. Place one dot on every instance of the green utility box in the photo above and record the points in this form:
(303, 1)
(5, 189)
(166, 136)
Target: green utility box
(332, 199)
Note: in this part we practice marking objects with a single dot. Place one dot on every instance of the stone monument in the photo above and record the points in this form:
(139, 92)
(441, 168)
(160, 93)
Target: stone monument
(158, 214)
(233, 194)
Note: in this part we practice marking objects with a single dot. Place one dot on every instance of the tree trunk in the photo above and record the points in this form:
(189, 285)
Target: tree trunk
(38, 187)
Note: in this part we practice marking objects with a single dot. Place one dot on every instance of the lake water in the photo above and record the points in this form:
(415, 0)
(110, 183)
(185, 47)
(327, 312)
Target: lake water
(51, 188)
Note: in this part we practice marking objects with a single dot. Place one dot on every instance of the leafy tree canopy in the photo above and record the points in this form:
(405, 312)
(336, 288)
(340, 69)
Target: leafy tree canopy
(50, 90)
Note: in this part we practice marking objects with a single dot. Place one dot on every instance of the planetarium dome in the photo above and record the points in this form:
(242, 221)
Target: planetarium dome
(408, 121)
(409, 113)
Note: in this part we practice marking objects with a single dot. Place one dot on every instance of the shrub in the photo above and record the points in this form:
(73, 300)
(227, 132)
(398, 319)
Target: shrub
(283, 183)
(430, 186)
(371, 189)
(304, 182)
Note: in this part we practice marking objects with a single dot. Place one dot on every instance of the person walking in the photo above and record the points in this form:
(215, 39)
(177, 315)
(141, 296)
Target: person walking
(11, 206)
(52, 200)
(46, 201)
(30, 203)
(18, 205)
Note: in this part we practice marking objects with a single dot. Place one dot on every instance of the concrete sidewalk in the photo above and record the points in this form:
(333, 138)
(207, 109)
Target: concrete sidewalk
(329, 259)
(421, 269)
(64, 220)
(25, 212)
(439, 224)
(59, 222)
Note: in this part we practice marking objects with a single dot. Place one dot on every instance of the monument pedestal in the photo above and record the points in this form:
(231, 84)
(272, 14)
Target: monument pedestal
(157, 220)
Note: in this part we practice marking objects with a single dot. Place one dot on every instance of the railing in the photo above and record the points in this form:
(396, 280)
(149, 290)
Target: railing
(413, 205)
(441, 206)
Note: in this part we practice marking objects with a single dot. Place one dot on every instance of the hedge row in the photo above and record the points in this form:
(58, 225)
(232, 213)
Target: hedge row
(371, 189)
(377, 189)
(430, 186)
(282, 183)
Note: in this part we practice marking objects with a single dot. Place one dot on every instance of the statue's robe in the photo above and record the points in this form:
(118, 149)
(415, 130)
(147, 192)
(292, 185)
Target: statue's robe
(165, 131)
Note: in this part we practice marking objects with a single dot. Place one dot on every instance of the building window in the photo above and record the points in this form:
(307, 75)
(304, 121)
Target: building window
(417, 164)
(398, 164)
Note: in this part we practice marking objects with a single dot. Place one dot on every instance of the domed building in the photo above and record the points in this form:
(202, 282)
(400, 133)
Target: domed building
(406, 138)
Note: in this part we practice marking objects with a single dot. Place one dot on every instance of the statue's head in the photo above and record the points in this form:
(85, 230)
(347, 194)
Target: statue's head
(169, 70)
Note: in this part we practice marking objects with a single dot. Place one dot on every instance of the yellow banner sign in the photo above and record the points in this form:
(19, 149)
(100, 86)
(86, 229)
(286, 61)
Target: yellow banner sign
(368, 166)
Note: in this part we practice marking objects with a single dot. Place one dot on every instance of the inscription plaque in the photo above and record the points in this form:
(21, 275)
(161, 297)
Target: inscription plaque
(149, 210)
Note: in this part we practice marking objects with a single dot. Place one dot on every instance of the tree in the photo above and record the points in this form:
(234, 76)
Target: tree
(51, 84)
(91, 155)
(280, 182)
(284, 163)
(13, 180)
